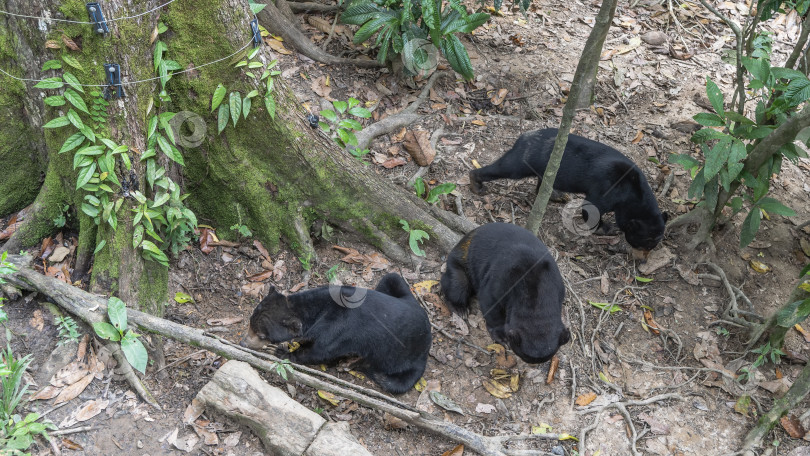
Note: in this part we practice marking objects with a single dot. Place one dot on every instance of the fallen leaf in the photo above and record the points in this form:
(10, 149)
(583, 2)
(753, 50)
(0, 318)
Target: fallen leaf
(320, 23)
(438, 303)
(90, 409)
(792, 426)
(393, 162)
(484, 408)
(656, 426)
(232, 439)
(499, 97)
(650, 322)
(457, 451)
(542, 428)
(71, 445)
(59, 254)
(36, 321)
(207, 237)
(253, 289)
(49, 392)
(497, 389)
(759, 266)
(321, 87)
(261, 249)
(479, 122)
(475, 164)
(193, 411)
(261, 276)
(743, 405)
(420, 385)
(555, 363)
(182, 298)
(639, 136)
(445, 402)
(70, 43)
(417, 143)
(658, 259)
(277, 46)
(374, 260)
(424, 286)
(224, 321)
(74, 389)
(804, 333)
(328, 397)
(209, 438)
(53, 44)
(585, 399)
(390, 422)
(399, 137)
(47, 248)
(622, 49)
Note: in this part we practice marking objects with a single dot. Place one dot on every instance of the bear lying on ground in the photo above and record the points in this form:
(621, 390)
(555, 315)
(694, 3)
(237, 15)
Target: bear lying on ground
(519, 288)
(386, 329)
(609, 180)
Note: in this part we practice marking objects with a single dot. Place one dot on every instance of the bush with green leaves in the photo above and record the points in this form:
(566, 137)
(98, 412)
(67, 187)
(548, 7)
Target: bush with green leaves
(432, 195)
(415, 237)
(403, 26)
(16, 433)
(117, 331)
(343, 127)
(737, 160)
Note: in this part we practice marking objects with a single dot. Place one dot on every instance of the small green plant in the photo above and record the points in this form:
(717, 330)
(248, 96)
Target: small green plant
(415, 237)
(68, 329)
(331, 274)
(766, 352)
(5, 268)
(132, 347)
(61, 219)
(344, 127)
(11, 374)
(239, 227)
(432, 196)
(720, 331)
(17, 438)
(283, 368)
(318, 410)
(306, 260)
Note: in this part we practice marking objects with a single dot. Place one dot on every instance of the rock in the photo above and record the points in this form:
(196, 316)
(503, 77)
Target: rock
(58, 254)
(654, 38)
(334, 439)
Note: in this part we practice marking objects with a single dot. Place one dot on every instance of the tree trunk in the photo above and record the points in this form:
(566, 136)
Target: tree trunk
(275, 176)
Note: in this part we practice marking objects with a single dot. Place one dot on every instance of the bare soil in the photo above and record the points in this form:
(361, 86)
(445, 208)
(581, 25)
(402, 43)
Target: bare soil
(643, 104)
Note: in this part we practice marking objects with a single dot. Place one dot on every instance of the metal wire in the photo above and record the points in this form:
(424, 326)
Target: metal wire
(42, 18)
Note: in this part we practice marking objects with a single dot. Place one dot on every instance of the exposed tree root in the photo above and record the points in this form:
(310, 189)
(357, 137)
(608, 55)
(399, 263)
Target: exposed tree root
(308, 7)
(38, 221)
(732, 311)
(90, 308)
(622, 408)
(399, 120)
(275, 21)
(705, 220)
(123, 365)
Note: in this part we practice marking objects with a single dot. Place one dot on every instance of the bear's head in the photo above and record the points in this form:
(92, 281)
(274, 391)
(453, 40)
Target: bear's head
(538, 342)
(273, 321)
(644, 234)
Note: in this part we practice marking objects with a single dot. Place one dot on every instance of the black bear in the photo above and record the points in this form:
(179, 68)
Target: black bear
(519, 288)
(385, 329)
(609, 180)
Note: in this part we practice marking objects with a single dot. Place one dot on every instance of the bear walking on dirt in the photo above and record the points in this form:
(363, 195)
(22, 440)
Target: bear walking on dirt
(609, 180)
(520, 290)
(385, 329)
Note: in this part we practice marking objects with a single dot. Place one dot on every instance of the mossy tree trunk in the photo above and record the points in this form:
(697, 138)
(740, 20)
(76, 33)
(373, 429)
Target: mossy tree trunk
(275, 176)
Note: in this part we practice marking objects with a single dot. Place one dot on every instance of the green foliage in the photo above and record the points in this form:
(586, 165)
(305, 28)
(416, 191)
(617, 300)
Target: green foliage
(238, 227)
(5, 268)
(117, 331)
(237, 105)
(777, 93)
(342, 127)
(404, 26)
(331, 274)
(61, 219)
(11, 377)
(766, 352)
(415, 238)
(17, 434)
(283, 368)
(432, 196)
(68, 329)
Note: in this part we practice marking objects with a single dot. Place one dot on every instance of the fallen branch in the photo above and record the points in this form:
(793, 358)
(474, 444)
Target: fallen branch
(90, 308)
(308, 7)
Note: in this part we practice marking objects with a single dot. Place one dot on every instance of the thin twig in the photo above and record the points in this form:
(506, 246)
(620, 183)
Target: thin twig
(73, 430)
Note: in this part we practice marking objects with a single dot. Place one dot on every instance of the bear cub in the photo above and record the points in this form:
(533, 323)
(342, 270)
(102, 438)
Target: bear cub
(520, 290)
(385, 329)
(609, 180)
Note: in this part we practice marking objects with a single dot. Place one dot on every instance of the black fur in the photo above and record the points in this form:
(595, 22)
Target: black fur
(609, 180)
(385, 328)
(519, 288)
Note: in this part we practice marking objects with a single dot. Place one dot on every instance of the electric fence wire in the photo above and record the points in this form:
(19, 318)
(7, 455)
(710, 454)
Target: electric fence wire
(245, 46)
(47, 19)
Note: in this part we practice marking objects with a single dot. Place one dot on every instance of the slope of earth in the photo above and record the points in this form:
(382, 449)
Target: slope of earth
(647, 353)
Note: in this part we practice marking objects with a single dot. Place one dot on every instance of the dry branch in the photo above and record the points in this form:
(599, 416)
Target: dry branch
(90, 308)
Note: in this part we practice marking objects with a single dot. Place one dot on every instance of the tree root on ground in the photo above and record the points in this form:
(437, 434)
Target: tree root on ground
(274, 20)
(732, 311)
(705, 220)
(622, 408)
(90, 308)
(308, 7)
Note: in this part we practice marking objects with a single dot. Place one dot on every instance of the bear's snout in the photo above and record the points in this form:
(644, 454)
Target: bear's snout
(252, 341)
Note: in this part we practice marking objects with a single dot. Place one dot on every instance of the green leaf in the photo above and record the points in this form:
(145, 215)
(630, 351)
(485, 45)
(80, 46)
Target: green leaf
(117, 311)
(688, 162)
(100, 246)
(50, 83)
(750, 227)
(270, 105)
(709, 120)
(786, 73)
(76, 100)
(161, 28)
(612, 308)
(432, 18)
(51, 65)
(170, 150)
(340, 106)
(350, 124)
(88, 133)
(715, 96)
(74, 118)
(70, 60)
(773, 206)
(135, 352)
(347, 137)
(222, 118)
(152, 127)
(73, 81)
(90, 210)
(85, 174)
(441, 189)
(456, 54)
(246, 103)
(252, 93)
(359, 12)
(57, 122)
(798, 90)
(73, 142)
(717, 157)
(55, 100)
(255, 8)
(106, 331)
(707, 134)
(157, 55)
(182, 298)
(235, 102)
(357, 111)
(644, 279)
(219, 95)
(329, 115)
(137, 236)
(415, 237)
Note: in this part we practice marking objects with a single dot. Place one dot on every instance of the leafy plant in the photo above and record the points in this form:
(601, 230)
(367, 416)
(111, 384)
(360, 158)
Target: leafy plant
(11, 374)
(344, 127)
(239, 227)
(61, 219)
(432, 196)
(5, 268)
(415, 238)
(283, 368)
(766, 352)
(238, 106)
(68, 329)
(14, 440)
(132, 347)
(415, 30)
(331, 274)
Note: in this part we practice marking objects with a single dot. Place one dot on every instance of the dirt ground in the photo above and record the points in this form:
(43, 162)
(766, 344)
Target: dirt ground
(644, 101)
